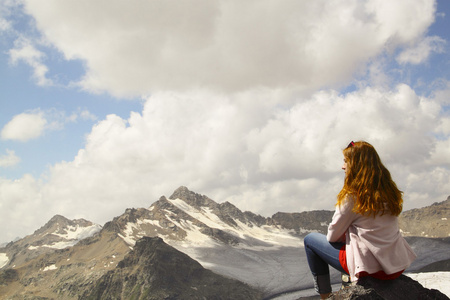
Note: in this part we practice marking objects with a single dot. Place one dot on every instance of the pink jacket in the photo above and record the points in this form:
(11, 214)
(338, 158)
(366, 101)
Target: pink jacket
(372, 244)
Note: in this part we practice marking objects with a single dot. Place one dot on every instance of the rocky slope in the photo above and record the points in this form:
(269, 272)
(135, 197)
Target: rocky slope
(63, 273)
(154, 270)
(58, 233)
(430, 221)
(304, 222)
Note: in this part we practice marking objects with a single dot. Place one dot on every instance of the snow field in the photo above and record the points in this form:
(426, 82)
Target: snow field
(433, 280)
(3, 260)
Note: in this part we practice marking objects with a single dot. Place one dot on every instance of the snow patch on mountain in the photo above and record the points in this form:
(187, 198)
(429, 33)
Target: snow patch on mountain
(3, 260)
(133, 231)
(70, 236)
(433, 280)
(205, 215)
(270, 235)
(194, 237)
(273, 257)
(78, 232)
(49, 268)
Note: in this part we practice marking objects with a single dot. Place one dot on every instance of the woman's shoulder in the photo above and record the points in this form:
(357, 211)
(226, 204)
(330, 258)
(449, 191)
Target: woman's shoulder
(348, 201)
(345, 207)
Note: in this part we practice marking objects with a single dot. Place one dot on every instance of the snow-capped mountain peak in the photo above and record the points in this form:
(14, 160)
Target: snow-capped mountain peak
(58, 233)
(187, 218)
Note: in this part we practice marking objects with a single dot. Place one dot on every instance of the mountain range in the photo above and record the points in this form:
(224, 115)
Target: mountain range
(187, 246)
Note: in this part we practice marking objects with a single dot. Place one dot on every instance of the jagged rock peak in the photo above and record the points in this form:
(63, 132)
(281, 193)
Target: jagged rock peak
(58, 219)
(193, 199)
(130, 215)
(181, 192)
(156, 251)
(226, 211)
(58, 222)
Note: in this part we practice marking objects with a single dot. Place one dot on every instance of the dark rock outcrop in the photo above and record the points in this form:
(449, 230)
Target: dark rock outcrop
(7, 276)
(155, 270)
(369, 288)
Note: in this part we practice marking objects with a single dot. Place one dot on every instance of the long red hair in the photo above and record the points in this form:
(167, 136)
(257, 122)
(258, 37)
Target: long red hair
(369, 182)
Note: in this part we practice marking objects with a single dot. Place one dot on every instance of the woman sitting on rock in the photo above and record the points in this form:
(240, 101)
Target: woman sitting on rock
(363, 237)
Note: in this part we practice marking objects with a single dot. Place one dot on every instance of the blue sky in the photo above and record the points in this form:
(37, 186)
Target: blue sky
(21, 93)
(250, 104)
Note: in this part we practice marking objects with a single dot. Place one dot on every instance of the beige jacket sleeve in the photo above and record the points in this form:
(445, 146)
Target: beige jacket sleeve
(342, 219)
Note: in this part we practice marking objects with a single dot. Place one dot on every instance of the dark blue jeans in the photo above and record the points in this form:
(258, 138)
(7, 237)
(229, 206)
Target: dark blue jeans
(321, 254)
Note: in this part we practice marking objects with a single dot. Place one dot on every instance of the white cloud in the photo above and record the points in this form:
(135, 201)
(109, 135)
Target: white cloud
(236, 111)
(420, 52)
(86, 115)
(238, 148)
(5, 24)
(21, 207)
(59, 118)
(131, 49)
(442, 94)
(25, 51)
(33, 124)
(24, 127)
(9, 159)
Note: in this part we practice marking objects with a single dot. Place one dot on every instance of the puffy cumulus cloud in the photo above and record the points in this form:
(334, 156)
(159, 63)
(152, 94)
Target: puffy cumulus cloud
(34, 123)
(228, 115)
(9, 159)
(246, 149)
(24, 127)
(135, 48)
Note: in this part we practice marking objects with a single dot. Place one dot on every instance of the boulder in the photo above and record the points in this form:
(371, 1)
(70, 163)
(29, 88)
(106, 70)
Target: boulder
(368, 288)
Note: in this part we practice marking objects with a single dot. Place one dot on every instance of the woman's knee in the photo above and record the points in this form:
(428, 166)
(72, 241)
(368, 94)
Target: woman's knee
(312, 238)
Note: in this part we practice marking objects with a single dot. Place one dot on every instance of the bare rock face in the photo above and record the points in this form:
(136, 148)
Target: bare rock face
(155, 270)
(369, 288)
(8, 276)
(431, 221)
(304, 222)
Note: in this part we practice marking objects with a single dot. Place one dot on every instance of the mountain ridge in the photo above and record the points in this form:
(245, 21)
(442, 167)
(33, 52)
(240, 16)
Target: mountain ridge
(428, 221)
(219, 236)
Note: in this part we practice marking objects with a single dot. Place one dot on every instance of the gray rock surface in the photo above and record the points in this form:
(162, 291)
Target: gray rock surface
(369, 288)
